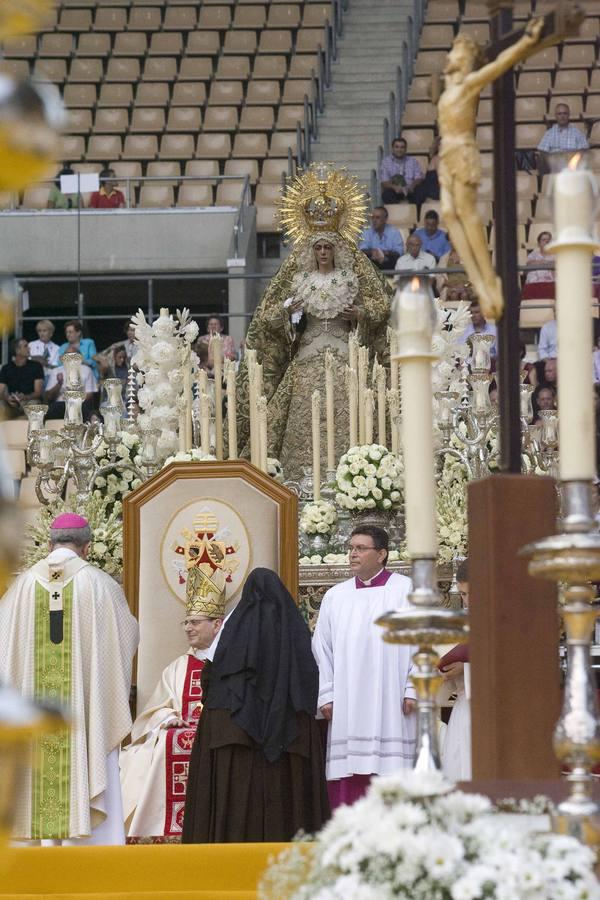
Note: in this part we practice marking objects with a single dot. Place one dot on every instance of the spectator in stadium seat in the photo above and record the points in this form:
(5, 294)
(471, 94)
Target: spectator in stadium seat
(539, 282)
(77, 343)
(429, 188)
(106, 360)
(214, 325)
(44, 350)
(562, 137)
(21, 380)
(56, 198)
(547, 346)
(414, 258)
(435, 241)
(108, 197)
(399, 174)
(453, 286)
(479, 325)
(381, 242)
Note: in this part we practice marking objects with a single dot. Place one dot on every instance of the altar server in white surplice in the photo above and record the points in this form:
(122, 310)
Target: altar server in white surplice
(67, 636)
(154, 766)
(365, 691)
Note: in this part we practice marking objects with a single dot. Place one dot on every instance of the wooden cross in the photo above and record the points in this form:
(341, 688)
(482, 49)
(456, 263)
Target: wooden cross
(558, 24)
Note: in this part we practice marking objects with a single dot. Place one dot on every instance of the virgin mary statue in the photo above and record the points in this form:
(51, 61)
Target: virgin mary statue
(324, 290)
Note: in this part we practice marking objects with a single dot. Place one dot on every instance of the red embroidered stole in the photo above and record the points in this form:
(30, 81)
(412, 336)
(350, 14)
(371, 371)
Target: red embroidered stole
(179, 747)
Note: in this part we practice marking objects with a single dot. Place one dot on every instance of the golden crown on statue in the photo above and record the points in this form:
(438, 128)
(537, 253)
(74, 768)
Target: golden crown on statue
(322, 199)
(205, 595)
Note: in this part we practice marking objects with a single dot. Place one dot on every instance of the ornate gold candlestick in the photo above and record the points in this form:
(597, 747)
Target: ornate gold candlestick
(425, 623)
(573, 559)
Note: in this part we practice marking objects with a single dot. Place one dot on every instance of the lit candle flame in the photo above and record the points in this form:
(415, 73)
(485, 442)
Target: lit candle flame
(415, 284)
(574, 162)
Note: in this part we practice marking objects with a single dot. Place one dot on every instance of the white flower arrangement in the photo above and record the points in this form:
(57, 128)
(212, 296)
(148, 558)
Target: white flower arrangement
(337, 559)
(415, 836)
(103, 514)
(275, 469)
(452, 521)
(160, 350)
(115, 483)
(369, 477)
(194, 455)
(318, 517)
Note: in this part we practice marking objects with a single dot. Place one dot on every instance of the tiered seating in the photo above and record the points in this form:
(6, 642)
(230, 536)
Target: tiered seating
(568, 73)
(178, 82)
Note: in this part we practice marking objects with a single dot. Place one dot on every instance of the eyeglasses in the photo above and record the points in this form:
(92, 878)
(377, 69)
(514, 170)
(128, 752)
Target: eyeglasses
(194, 622)
(360, 548)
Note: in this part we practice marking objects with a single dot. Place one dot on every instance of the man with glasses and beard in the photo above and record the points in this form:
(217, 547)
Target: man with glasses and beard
(365, 691)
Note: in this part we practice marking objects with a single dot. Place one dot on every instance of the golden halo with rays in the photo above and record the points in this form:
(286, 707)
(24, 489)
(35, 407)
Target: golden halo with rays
(322, 199)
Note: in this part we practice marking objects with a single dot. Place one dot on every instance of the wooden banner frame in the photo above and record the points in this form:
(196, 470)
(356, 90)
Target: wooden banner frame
(285, 499)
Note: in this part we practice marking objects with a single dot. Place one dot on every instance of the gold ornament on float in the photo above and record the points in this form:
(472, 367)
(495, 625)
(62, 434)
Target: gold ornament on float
(23, 16)
(322, 199)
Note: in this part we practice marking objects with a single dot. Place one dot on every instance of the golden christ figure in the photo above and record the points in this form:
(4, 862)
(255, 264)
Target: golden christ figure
(459, 172)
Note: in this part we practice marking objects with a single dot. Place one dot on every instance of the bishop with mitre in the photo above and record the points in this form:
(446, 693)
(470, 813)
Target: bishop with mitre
(154, 767)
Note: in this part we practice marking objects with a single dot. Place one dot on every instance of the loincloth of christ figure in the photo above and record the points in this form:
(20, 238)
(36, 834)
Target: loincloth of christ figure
(459, 170)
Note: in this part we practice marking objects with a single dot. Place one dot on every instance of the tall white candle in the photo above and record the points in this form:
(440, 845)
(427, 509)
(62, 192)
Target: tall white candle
(231, 409)
(205, 423)
(216, 349)
(574, 192)
(363, 374)
(414, 310)
(261, 405)
(368, 416)
(316, 443)
(329, 410)
(252, 397)
(394, 378)
(379, 381)
(353, 351)
(394, 407)
(352, 386)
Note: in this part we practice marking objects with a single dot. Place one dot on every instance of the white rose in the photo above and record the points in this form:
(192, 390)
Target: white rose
(377, 493)
(100, 481)
(350, 503)
(387, 503)
(371, 482)
(360, 503)
(100, 548)
(354, 468)
(386, 483)
(395, 496)
(375, 455)
(370, 503)
(322, 528)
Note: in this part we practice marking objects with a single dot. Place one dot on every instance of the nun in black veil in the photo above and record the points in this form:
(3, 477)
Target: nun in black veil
(257, 770)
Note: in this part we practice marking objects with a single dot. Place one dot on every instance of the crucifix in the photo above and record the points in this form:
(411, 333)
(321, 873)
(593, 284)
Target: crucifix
(513, 647)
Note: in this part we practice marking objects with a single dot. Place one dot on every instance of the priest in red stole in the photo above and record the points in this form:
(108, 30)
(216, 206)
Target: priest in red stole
(154, 767)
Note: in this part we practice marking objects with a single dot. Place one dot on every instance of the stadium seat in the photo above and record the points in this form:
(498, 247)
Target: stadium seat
(56, 45)
(281, 142)
(147, 120)
(75, 20)
(289, 116)
(226, 93)
(86, 71)
(260, 93)
(184, 118)
(82, 96)
(266, 219)
(579, 56)
(154, 195)
(164, 168)
(145, 18)
(534, 83)
(257, 118)
(168, 43)
(94, 43)
(316, 15)
(527, 137)
(214, 18)
(23, 46)
(79, 121)
(36, 197)
(180, 18)
(113, 95)
(571, 81)
(221, 118)
(249, 17)
(310, 40)
(436, 37)
(131, 43)
(15, 462)
(111, 121)
(202, 168)
(113, 20)
(104, 147)
(270, 67)
(295, 89)
(546, 59)
(188, 93)
(14, 433)
(242, 167)
(52, 70)
(250, 146)
(229, 193)
(214, 146)
(177, 146)
(125, 69)
(195, 194)
(402, 215)
(233, 68)
(421, 114)
(153, 93)
(140, 146)
(162, 68)
(72, 147)
(202, 43)
(443, 11)
(241, 43)
(275, 41)
(283, 15)
(272, 170)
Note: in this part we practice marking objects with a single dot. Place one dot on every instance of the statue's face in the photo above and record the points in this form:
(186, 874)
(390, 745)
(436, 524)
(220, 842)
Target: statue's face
(323, 254)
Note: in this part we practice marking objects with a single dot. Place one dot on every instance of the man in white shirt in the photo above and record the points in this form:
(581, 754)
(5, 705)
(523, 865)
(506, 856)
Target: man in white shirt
(414, 258)
(365, 691)
(548, 343)
(562, 137)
